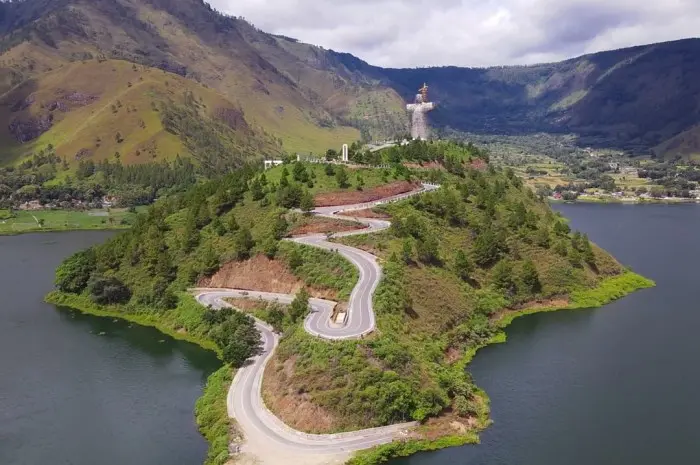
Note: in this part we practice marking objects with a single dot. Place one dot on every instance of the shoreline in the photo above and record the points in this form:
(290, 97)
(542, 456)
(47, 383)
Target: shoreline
(50, 230)
(608, 290)
(211, 414)
(678, 201)
(210, 411)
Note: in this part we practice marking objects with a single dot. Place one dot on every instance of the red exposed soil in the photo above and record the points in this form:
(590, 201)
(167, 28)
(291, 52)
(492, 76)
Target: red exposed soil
(320, 225)
(431, 165)
(291, 405)
(368, 213)
(261, 274)
(555, 302)
(350, 197)
(478, 164)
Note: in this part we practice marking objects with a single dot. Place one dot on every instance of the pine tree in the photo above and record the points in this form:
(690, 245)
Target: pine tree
(299, 306)
(462, 266)
(587, 250)
(243, 243)
(502, 275)
(341, 177)
(306, 203)
(530, 277)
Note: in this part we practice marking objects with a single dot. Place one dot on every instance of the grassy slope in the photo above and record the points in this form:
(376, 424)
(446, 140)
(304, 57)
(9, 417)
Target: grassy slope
(129, 99)
(324, 183)
(220, 60)
(64, 220)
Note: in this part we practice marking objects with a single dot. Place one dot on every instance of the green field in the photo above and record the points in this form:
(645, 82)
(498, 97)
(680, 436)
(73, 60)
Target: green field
(64, 220)
(322, 182)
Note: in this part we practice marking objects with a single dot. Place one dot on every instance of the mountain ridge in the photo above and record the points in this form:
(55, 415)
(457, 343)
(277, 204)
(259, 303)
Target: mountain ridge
(307, 98)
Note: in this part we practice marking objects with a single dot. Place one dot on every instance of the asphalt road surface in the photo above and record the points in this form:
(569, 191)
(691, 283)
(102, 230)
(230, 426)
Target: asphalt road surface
(268, 439)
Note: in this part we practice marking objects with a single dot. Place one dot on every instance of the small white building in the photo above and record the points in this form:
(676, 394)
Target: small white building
(270, 163)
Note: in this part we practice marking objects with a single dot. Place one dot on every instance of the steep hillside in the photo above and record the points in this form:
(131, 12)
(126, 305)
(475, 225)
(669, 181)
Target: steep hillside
(310, 99)
(633, 98)
(285, 89)
(113, 109)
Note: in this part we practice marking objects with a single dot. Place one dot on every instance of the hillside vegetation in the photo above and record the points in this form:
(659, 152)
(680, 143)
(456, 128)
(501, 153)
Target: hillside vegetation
(116, 110)
(458, 263)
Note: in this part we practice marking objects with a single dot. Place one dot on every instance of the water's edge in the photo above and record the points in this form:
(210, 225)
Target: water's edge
(210, 410)
(211, 414)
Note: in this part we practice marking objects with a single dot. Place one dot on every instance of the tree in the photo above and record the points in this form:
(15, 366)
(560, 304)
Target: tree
(299, 173)
(218, 226)
(407, 251)
(331, 155)
(106, 291)
(74, 273)
(42, 221)
(341, 177)
(587, 250)
(427, 250)
(270, 247)
(360, 182)
(487, 247)
(243, 243)
(329, 170)
(530, 277)
(232, 225)
(462, 266)
(575, 257)
(299, 306)
(294, 259)
(502, 275)
(256, 190)
(306, 203)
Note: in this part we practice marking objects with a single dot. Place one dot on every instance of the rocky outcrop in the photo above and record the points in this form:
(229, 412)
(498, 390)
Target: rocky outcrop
(233, 118)
(28, 130)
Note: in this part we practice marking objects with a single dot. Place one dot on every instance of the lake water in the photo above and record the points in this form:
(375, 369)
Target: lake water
(82, 390)
(610, 386)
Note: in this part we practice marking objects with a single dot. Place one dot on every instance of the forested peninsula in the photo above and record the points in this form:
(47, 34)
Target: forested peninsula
(459, 263)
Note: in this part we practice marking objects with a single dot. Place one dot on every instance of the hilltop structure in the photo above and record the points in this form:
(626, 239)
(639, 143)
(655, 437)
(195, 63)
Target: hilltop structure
(419, 110)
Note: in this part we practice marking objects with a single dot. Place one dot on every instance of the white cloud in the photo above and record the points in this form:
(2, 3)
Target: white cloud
(407, 33)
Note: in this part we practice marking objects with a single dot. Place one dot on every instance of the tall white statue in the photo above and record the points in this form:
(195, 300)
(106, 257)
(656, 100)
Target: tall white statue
(345, 153)
(419, 110)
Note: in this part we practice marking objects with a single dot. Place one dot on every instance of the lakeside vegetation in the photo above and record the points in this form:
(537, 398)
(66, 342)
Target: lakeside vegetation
(456, 262)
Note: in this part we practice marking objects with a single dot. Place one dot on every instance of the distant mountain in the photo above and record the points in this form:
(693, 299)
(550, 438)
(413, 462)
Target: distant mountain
(276, 95)
(634, 99)
(270, 94)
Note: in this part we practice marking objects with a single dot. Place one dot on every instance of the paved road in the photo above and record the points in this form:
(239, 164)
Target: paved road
(269, 437)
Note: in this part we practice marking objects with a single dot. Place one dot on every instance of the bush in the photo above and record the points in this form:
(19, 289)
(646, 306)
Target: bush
(106, 291)
(74, 273)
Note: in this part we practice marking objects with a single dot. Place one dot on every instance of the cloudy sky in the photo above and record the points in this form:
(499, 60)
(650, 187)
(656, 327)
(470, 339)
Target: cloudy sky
(407, 33)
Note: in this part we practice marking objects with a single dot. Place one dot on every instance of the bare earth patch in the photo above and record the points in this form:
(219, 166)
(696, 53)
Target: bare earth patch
(290, 406)
(349, 197)
(261, 274)
(369, 213)
(555, 302)
(247, 305)
(434, 165)
(321, 225)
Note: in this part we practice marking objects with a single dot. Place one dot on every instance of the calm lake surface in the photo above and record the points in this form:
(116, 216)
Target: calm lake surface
(82, 390)
(610, 386)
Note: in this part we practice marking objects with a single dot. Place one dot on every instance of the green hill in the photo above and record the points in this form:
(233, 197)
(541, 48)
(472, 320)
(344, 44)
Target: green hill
(459, 264)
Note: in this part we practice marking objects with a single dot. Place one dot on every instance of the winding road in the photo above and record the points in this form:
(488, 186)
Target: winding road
(268, 439)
